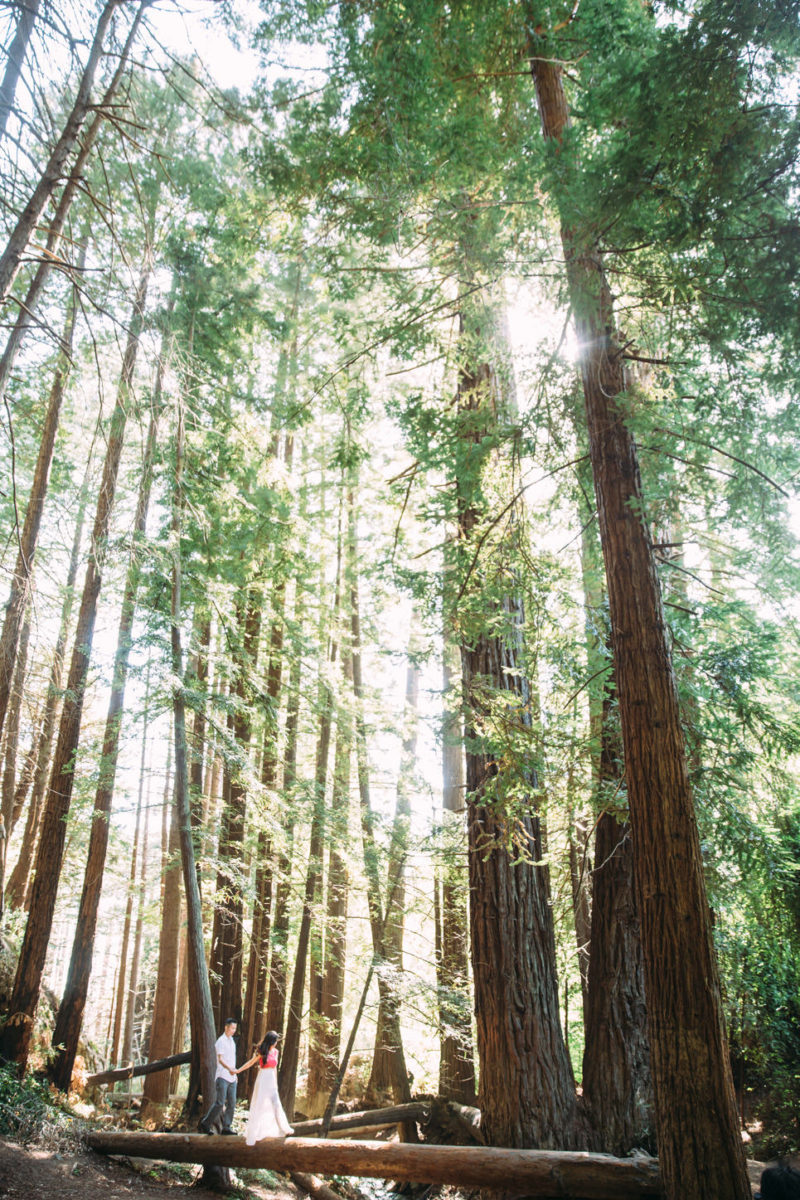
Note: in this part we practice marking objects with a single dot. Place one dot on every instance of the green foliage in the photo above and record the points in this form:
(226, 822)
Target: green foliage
(30, 1112)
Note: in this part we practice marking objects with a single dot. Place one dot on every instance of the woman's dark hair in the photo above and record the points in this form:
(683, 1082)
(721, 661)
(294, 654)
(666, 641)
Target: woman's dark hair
(267, 1042)
(780, 1183)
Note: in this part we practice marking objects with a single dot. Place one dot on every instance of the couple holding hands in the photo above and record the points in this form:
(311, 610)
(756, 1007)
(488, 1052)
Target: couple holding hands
(266, 1117)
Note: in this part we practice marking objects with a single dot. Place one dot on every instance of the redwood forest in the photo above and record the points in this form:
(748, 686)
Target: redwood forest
(400, 651)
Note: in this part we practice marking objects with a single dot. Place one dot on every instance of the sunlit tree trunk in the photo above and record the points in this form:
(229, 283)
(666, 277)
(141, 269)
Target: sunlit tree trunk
(70, 1014)
(692, 1079)
(16, 53)
(16, 1036)
(156, 1086)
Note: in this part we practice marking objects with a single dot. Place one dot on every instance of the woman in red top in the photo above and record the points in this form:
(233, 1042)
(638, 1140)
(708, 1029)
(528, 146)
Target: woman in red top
(267, 1118)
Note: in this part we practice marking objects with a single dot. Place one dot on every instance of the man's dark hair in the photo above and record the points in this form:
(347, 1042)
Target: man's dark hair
(230, 1021)
(780, 1183)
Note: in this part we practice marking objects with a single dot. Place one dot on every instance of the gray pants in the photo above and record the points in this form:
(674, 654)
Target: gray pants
(224, 1104)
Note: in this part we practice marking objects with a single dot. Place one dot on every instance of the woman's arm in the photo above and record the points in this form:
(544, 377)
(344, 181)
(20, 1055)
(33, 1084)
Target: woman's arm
(245, 1066)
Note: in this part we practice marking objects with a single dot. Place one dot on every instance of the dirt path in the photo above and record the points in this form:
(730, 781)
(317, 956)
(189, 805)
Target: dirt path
(27, 1173)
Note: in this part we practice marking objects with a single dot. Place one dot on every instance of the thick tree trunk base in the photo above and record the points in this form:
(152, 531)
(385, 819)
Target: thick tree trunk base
(545, 1173)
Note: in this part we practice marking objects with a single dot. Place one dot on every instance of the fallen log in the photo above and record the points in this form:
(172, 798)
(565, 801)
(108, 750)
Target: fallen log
(542, 1173)
(371, 1117)
(161, 1064)
(315, 1187)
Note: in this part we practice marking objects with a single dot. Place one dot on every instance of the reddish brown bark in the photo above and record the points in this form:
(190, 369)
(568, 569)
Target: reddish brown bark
(156, 1088)
(689, 1056)
(15, 1041)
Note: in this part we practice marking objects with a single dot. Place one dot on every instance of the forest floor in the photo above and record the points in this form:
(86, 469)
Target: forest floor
(31, 1173)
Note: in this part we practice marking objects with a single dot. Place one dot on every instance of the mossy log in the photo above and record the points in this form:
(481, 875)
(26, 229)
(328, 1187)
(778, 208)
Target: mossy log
(545, 1173)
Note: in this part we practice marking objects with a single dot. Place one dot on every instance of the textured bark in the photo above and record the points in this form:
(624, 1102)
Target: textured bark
(30, 216)
(525, 1172)
(17, 50)
(29, 535)
(15, 1041)
(226, 941)
(382, 1075)
(132, 991)
(456, 1061)
(12, 732)
(689, 1056)
(69, 1019)
(18, 889)
(526, 1090)
(156, 1088)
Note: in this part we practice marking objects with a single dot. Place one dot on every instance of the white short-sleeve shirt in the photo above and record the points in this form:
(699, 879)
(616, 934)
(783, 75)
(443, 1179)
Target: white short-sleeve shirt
(227, 1048)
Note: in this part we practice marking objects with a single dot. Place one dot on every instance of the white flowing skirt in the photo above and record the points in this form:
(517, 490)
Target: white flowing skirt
(267, 1118)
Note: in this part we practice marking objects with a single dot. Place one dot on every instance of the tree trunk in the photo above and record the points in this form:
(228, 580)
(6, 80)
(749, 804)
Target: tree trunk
(156, 1088)
(12, 733)
(225, 964)
(70, 1014)
(279, 963)
(401, 1088)
(15, 1042)
(132, 991)
(526, 1090)
(18, 888)
(382, 1074)
(54, 168)
(201, 1015)
(55, 226)
(456, 1061)
(524, 1172)
(29, 536)
(690, 1063)
(16, 52)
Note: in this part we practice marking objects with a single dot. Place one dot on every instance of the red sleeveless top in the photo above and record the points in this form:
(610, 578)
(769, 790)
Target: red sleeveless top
(271, 1060)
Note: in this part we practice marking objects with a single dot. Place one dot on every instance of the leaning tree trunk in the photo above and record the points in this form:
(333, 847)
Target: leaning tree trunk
(19, 884)
(70, 1014)
(29, 535)
(692, 1079)
(15, 1041)
(11, 749)
(53, 171)
(55, 225)
(16, 53)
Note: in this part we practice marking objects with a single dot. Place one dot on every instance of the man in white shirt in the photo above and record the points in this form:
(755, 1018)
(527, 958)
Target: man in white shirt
(224, 1083)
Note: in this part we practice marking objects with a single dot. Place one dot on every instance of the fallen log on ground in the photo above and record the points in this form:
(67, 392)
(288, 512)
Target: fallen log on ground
(371, 1117)
(162, 1064)
(542, 1173)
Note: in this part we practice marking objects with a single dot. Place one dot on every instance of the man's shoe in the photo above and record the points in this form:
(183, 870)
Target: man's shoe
(204, 1128)
(229, 1132)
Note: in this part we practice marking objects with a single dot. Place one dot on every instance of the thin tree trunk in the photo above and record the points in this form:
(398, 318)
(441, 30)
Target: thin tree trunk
(181, 1005)
(17, 51)
(55, 226)
(382, 1074)
(15, 1042)
(156, 1087)
(70, 1014)
(12, 730)
(29, 536)
(30, 216)
(201, 1015)
(456, 1061)
(133, 982)
(119, 1005)
(401, 1087)
(18, 889)
(690, 1063)
(279, 961)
